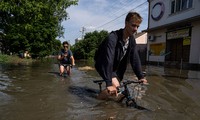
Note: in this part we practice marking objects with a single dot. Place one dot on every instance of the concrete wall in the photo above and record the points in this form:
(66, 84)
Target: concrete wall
(159, 37)
(175, 17)
(195, 43)
(142, 39)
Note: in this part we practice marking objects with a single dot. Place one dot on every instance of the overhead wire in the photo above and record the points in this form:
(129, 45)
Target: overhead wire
(119, 5)
(120, 15)
(113, 6)
(127, 3)
(120, 20)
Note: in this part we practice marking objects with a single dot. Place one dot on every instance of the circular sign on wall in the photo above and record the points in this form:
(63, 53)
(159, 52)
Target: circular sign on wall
(157, 11)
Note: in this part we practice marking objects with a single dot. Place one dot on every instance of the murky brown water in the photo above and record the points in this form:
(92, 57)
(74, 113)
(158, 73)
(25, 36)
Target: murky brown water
(36, 92)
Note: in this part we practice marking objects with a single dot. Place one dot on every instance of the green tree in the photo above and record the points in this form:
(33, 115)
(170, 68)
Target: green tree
(86, 48)
(33, 25)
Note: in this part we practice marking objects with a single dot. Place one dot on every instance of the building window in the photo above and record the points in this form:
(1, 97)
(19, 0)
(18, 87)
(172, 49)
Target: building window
(179, 5)
(173, 6)
(190, 2)
(184, 4)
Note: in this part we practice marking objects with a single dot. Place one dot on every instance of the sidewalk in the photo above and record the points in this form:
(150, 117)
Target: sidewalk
(172, 72)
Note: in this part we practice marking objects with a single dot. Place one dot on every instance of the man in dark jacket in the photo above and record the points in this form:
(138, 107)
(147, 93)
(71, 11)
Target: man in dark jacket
(113, 54)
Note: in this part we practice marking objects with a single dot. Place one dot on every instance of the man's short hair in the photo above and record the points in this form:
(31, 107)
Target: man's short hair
(135, 15)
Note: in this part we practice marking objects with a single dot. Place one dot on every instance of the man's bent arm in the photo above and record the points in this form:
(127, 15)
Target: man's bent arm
(106, 58)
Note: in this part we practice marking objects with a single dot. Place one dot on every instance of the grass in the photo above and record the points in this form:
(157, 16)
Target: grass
(13, 59)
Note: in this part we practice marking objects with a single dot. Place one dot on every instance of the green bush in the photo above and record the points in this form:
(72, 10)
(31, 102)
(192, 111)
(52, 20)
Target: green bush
(3, 58)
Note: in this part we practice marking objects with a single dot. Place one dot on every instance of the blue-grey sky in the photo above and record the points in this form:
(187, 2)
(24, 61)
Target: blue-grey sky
(101, 15)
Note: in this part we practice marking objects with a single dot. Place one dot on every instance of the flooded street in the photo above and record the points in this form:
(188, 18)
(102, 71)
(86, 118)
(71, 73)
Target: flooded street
(37, 92)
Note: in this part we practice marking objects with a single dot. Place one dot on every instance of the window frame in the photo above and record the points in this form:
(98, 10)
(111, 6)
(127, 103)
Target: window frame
(180, 5)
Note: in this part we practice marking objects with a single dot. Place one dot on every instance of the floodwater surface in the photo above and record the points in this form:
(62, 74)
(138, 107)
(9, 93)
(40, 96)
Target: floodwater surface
(37, 92)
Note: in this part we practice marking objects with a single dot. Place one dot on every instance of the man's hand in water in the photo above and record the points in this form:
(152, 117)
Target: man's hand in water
(112, 90)
(144, 81)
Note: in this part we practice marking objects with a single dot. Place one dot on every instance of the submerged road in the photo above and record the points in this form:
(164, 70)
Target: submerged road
(37, 92)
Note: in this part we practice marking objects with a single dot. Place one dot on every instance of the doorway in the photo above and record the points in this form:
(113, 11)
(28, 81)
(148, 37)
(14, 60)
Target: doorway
(178, 51)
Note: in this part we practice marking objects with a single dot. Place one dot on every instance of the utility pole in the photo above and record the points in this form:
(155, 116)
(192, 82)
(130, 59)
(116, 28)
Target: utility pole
(83, 32)
(69, 43)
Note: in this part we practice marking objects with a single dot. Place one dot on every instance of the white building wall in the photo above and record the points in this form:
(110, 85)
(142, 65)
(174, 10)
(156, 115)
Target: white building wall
(168, 18)
(142, 39)
(179, 20)
(195, 43)
(159, 37)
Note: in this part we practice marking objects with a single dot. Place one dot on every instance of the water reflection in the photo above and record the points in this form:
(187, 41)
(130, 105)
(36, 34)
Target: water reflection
(37, 92)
